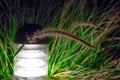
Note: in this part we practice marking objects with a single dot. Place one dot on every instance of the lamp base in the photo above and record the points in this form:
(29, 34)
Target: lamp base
(29, 78)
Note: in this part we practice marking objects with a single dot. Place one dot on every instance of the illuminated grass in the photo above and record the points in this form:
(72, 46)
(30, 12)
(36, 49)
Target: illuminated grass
(68, 59)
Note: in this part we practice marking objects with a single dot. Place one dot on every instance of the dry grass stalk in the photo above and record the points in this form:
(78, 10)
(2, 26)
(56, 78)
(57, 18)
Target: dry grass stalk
(52, 32)
(79, 24)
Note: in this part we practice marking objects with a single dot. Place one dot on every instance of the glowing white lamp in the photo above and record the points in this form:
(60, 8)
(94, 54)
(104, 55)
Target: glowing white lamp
(31, 63)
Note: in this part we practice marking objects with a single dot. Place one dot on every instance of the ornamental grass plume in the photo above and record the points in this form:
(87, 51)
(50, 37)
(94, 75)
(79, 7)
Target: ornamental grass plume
(53, 32)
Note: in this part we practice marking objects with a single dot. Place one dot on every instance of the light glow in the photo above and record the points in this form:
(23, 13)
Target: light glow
(31, 61)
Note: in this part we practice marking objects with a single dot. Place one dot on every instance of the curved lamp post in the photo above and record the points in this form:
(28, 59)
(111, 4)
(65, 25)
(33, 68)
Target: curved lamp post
(31, 61)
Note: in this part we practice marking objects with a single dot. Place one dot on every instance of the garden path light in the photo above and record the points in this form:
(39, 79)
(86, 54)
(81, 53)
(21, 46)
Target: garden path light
(30, 63)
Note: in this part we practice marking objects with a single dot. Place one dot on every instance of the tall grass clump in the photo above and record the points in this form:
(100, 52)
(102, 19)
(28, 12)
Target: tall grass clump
(94, 24)
(70, 60)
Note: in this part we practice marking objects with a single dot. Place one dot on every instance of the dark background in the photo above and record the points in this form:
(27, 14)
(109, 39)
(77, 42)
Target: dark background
(44, 7)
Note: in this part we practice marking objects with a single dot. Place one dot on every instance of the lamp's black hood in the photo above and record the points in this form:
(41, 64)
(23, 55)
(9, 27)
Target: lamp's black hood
(27, 30)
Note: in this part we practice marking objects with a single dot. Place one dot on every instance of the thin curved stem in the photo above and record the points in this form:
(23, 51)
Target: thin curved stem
(52, 32)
